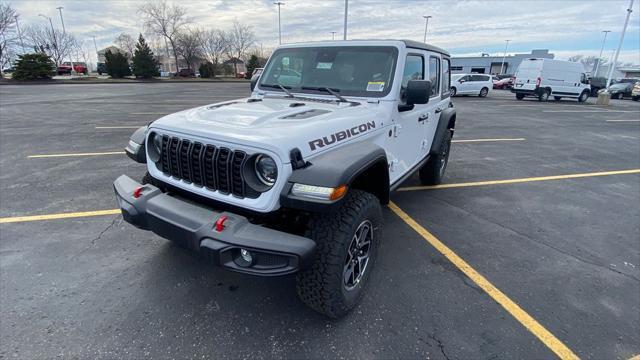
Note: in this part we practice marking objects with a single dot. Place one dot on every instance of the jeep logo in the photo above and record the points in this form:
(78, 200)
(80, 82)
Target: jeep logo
(341, 135)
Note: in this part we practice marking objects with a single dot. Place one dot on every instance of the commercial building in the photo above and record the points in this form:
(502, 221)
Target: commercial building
(486, 64)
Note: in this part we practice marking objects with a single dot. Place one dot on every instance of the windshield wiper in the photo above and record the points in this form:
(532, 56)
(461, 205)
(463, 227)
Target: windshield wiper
(281, 87)
(326, 89)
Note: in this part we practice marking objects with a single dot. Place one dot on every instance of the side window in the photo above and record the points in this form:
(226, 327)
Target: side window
(477, 78)
(446, 77)
(434, 75)
(413, 70)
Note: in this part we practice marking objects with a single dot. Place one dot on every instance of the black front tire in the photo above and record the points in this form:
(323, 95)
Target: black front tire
(453, 91)
(544, 96)
(433, 171)
(323, 286)
(584, 96)
(635, 98)
(519, 96)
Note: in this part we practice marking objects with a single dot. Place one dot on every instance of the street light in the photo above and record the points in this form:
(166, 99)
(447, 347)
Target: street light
(426, 25)
(333, 35)
(19, 33)
(53, 32)
(279, 3)
(64, 33)
(624, 29)
(595, 72)
(504, 56)
(346, 12)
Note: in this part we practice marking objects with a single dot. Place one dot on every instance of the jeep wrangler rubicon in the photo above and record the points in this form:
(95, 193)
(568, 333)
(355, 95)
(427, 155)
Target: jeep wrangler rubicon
(292, 179)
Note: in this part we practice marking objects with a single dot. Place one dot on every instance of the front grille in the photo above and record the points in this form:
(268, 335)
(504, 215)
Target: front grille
(215, 168)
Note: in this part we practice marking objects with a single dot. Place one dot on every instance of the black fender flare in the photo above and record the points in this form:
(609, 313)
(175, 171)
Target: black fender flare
(361, 165)
(447, 122)
(135, 149)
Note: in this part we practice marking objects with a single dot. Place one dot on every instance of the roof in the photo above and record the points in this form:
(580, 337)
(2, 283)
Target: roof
(408, 43)
(419, 45)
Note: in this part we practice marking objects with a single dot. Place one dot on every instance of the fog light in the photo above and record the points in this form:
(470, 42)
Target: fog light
(245, 259)
(246, 255)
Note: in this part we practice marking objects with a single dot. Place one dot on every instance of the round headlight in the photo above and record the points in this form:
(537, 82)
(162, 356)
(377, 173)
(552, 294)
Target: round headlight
(266, 170)
(154, 146)
(157, 143)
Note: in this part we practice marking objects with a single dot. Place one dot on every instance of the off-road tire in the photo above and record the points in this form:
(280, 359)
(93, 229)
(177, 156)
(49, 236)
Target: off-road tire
(322, 286)
(433, 171)
(544, 96)
(519, 96)
(453, 91)
(584, 96)
(483, 92)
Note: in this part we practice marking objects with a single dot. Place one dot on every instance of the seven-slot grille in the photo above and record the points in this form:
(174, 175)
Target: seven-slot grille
(216, 168)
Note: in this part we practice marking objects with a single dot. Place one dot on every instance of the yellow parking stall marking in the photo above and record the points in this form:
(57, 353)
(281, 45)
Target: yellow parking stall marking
(76, 154)
(637, 357)
(498, 296)
(638, 120)
(520, 180)
(14, 219)
(486, 140)
(120, 127)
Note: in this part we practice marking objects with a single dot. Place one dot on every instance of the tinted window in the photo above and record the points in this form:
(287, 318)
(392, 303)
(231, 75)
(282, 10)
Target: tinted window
(446, 77)
(413, 70)
(434, 75)
(479, 78)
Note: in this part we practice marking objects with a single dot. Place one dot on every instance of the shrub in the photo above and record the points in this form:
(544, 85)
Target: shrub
(207, 70)
(117, 64)
(34, 66)
(144, 63)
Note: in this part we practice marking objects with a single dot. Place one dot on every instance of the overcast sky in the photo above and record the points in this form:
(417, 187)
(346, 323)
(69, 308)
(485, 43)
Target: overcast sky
(463, 27)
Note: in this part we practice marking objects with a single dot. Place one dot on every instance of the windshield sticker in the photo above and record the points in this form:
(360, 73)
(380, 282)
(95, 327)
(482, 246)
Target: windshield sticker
(375, 86)
(324, 65)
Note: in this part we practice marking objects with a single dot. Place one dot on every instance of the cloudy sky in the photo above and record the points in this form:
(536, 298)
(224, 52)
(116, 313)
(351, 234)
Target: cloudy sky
(463, 27)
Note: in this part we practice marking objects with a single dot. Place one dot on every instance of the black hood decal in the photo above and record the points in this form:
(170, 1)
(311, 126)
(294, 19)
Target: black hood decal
(341, 135)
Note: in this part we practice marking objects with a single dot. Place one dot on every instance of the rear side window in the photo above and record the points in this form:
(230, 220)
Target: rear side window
(434, 75)
(446, 77)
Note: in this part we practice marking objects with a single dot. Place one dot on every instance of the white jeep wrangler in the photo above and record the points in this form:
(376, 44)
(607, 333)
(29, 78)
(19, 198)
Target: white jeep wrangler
(291, 179)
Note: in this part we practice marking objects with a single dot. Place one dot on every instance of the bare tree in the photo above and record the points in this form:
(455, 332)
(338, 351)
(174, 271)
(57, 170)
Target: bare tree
(241, 38)
(57, 44)
(8, 22)
(126, 42)
(189, 46)
(164, 20)
(215, 44)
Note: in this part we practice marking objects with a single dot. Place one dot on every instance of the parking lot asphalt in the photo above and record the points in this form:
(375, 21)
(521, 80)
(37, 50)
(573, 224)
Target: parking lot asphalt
(564, 248)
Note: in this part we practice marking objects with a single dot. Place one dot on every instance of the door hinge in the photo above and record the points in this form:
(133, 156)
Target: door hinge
(424, 144)
(392, 165)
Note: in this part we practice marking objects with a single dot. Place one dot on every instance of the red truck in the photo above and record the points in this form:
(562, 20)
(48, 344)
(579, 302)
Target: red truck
(78, 67)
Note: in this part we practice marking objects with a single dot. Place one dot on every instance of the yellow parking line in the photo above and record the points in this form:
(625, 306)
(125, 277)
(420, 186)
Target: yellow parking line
(509, 305)
(520, 180)
(76, 154)
(120, 127)
(6, 220)
(486, 140)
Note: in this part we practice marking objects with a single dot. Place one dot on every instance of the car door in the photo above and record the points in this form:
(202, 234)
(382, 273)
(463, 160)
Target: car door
(406, 140)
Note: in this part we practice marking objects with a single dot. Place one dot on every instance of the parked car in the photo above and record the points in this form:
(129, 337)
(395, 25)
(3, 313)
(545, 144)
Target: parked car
(621, 90)
(471, 84)
(240, 75)
(504, 83)
(78, 67)
(255, 77)
(186, 73)
(102, 68)
(635, 93)
(542, 78)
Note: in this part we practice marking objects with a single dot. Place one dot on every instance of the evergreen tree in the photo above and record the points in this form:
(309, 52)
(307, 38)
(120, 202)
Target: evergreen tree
(117, 64)
(33, 67)
(252, 64)
(144, 63)
(207, 70)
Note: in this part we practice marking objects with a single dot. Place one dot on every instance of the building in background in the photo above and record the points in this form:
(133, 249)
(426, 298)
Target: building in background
(491, 64)
(114, 49)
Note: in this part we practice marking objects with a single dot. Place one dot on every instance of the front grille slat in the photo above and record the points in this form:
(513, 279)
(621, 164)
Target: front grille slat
(214, 168)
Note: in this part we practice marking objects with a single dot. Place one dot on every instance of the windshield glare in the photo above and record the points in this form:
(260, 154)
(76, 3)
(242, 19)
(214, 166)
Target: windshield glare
(350, 70)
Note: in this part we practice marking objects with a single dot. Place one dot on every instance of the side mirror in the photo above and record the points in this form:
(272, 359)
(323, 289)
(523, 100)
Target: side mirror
(461, 81)
(254, 81)
(418, 92)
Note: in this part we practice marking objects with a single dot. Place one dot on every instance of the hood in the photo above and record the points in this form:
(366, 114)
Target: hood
(275, 124)
(619, 86)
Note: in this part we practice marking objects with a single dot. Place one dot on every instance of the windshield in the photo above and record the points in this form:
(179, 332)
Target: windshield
(349, 70)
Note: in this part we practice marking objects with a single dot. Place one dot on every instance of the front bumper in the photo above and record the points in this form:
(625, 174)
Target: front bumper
(193, 226)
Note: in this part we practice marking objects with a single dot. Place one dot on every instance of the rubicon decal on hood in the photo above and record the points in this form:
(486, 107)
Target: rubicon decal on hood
(341, 135)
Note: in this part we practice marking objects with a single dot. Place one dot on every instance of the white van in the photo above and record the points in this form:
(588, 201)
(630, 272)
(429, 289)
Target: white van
(471, 84)
(542, 78)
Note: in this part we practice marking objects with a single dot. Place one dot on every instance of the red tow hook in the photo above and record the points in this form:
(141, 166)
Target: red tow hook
(137, 192)
(220, 223)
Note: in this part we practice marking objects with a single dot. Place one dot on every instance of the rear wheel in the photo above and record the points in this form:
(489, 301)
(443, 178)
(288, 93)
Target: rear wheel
(544, 96)
(519, 96)
(615, 96)
(484, 92)
(432, 172)
(557, 98)
(584, 96)
(347, 246)
(453, 91)
(635, 98)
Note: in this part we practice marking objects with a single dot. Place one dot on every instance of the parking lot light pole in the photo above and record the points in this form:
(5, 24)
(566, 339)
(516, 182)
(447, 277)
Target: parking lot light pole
(595, 72)
(346, 12)
(279, 3)
(333, 35)
(64, 32)
(53, 32)
(426, 25)
(504, 55)
(615, 58)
